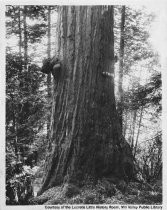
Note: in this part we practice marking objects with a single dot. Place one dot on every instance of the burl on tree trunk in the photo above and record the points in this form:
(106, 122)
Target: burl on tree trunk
(85, 135)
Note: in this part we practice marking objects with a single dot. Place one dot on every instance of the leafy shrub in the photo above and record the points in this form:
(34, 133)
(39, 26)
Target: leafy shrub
(19, 187)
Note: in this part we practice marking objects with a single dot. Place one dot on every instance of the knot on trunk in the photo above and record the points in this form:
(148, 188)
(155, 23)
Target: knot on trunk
(52, 65)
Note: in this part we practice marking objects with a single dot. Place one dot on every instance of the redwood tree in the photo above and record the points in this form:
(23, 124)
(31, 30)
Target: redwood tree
(85, 134)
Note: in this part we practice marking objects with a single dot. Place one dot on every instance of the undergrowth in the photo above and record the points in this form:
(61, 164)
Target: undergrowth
(101, 193)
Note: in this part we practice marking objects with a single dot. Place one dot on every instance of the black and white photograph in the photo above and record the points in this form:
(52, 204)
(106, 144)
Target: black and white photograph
(83, 98)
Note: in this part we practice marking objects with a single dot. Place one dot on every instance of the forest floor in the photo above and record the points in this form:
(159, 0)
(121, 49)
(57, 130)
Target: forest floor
(101, 193)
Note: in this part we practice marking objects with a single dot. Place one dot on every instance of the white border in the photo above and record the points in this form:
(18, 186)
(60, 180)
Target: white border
(162, 3)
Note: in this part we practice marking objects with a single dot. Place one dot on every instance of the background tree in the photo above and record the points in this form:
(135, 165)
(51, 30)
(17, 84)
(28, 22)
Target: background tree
(26, 102)
(24, 81)
(49, 57)
(121, 64)
(140, 65)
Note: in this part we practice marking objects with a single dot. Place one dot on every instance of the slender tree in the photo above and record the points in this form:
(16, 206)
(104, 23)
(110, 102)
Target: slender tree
(49, 56)
(25, 37)
(20, 32)
(121, 65)
(85, 135)
(133, 128)
(138, 131)
(14, 127)
(22, 86)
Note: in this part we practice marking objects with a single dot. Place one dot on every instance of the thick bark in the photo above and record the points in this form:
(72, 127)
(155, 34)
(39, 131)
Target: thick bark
(121, 64)
(85, 136)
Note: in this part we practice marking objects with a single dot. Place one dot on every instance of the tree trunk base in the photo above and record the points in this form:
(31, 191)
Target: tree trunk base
(106, 191)
(87, 191)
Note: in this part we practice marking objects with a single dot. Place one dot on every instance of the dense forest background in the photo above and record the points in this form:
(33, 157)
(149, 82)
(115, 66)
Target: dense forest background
(31, 34)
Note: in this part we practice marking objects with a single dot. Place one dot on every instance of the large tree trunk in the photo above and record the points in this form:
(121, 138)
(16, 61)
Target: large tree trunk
(85, 136)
